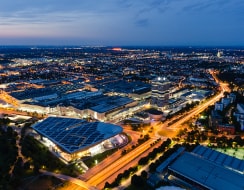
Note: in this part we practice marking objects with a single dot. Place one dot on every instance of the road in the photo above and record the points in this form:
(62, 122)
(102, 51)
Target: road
(71, 179)
(197, 110)
(102, 176)
(126, 161)
(12, 111)
(110, 167)
(132, 163)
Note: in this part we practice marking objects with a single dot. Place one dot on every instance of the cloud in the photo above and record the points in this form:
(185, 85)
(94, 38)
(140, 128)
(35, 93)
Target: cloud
(213, 6)
(148, 10)
(200, 6)
(138, 21)
(150, 6)
(142, 22)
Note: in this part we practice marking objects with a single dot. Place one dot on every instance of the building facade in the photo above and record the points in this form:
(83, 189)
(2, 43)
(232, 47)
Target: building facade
(160, 92)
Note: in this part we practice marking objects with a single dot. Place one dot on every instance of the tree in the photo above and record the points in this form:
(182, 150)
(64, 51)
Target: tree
(144, 174)
(239, 140)
(36, 168)
(152, 167)
(123, 152)
(143, 161)
(107, 185)
(137, 181)
(26, 165)
(126, 173)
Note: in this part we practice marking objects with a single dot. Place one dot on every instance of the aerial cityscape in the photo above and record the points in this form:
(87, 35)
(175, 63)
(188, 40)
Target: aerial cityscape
(122, 95)
(103, 115)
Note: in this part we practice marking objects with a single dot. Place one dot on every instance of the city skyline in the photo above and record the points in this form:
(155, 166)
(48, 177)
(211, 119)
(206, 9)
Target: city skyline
(107, 22)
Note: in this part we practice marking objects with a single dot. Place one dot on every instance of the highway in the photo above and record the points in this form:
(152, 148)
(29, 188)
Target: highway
(112, 158)
(102, 176)
(108, 169)
(127, 161)
(132, 163)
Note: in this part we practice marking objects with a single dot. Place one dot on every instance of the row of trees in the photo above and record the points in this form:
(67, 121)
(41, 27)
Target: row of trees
(140, 181)
(139, 142)
(231, 77)
(191, 136)
(200, 136)
(224, 142)
(182, 111)
(143, 161)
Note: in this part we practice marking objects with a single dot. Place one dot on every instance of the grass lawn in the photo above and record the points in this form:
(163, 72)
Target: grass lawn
(239, 153)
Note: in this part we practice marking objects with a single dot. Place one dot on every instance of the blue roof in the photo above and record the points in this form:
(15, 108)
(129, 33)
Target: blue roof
(109, 103)
(32, 93)
(169, 160)
(72, 135)
(207, 173)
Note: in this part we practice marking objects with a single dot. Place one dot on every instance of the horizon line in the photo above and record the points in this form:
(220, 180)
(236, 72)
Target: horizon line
(188, 46)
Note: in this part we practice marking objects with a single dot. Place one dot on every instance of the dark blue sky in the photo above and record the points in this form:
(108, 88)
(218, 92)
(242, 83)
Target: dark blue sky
(122, 22)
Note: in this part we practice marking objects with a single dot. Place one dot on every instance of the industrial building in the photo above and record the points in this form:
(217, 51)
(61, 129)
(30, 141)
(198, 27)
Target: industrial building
(72, 139)
(205, 168)
(108, 107)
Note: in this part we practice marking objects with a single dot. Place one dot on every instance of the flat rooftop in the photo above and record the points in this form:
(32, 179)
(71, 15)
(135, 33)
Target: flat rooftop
(207, 173)
(154, 111)
(73, 135)
(108, 103)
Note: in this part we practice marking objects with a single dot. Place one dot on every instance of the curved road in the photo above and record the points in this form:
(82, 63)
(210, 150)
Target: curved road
(71, 179)
(103, 176)
(100, 175)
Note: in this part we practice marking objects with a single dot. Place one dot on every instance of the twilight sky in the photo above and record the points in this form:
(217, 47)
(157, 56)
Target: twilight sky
(122, 22)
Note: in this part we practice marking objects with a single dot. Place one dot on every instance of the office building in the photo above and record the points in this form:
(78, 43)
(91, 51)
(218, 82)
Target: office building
(160, 92)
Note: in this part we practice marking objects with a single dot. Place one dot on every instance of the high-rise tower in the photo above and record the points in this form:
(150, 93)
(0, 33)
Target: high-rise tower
(160, 91)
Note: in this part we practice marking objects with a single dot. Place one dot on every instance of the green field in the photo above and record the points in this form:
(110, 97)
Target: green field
(238, 153)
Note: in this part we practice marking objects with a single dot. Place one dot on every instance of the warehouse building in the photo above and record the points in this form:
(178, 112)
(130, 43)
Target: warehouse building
(205, 168)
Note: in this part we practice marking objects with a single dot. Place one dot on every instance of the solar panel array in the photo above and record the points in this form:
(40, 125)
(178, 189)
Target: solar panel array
(71, 134)
(220, 158)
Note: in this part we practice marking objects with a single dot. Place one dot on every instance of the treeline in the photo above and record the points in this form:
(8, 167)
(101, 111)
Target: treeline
(41, 157)
(140, 181)
(14, 169)
(143, 161)
(8, 157)
(232, 77)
